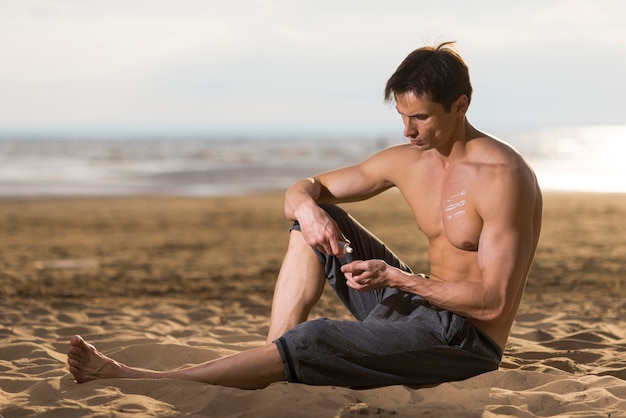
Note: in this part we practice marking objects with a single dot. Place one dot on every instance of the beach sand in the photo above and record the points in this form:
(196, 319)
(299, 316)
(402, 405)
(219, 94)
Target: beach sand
(164, 282)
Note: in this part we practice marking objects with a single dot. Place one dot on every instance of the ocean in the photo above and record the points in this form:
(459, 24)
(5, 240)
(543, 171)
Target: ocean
(586, 158)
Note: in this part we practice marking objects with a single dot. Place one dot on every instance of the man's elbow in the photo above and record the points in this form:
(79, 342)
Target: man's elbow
(494, 313)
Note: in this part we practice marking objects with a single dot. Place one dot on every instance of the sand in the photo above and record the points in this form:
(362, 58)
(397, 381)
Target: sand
(164, 282)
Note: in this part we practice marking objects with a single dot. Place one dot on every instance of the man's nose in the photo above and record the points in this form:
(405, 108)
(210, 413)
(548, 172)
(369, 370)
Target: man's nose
(409, 130)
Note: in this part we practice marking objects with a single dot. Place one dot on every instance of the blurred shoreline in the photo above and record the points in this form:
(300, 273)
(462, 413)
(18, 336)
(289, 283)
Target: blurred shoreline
(587, 159)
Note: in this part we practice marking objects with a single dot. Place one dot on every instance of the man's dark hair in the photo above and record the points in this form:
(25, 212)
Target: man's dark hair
(438, 73)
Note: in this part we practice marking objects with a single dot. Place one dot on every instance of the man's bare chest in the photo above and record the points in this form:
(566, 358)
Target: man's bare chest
(461, 223)
(446, 210)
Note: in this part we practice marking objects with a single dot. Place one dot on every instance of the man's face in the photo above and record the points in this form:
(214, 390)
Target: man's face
(426, 123)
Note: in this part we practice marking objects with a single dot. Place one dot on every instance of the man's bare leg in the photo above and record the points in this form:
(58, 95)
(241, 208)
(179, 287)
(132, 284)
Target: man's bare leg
(252, 369)
(299, 286)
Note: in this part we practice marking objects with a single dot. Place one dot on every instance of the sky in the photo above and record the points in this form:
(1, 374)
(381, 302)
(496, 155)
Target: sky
(299, 67)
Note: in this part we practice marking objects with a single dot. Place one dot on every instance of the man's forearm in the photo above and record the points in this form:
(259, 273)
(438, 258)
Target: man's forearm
(470, 299)
(303, 192)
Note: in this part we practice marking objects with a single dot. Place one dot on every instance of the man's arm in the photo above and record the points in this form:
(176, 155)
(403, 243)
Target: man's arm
(353, 183)
(506, 206)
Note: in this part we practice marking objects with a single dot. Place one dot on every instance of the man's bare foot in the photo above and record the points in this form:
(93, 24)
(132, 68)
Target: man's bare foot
(86, 363)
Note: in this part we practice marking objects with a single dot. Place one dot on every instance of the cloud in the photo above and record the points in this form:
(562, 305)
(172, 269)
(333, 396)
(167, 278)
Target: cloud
(303, 64)
(45, 48)
(574, 13)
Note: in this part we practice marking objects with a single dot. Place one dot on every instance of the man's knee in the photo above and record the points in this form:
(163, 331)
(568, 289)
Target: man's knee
(318, 330)
(296, 240)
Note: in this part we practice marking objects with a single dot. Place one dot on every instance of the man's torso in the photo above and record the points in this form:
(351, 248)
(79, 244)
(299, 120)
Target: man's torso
(446, 202)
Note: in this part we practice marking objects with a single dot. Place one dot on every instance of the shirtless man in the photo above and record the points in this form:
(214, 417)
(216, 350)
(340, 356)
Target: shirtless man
(476, 200)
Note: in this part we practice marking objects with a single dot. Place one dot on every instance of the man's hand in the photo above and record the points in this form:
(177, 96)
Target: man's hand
(321, 231)
(367, 275)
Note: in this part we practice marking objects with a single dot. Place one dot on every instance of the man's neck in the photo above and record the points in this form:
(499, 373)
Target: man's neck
(455, 149)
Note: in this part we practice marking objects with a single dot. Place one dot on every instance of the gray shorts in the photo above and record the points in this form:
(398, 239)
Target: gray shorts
(397, 338)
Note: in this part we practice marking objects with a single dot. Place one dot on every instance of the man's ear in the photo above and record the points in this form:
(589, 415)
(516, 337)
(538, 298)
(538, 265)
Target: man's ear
(461, 105)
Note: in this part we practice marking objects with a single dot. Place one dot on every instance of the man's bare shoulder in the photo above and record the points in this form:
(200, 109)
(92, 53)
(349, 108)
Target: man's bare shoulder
(495, 160)
(395, 158)
(489, 150)
(394, 151)
(502, 174)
